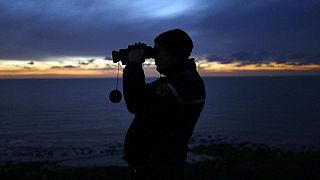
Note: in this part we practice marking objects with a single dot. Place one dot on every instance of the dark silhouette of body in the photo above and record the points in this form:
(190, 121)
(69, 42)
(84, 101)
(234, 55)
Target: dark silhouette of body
(166, 110)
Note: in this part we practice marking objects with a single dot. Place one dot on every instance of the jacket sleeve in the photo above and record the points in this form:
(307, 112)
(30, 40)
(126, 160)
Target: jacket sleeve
(134, 87)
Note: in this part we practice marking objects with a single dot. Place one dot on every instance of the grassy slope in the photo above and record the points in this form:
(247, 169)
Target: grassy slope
(232, 161)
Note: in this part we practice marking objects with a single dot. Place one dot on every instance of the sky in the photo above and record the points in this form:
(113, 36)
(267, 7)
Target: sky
(71, 38)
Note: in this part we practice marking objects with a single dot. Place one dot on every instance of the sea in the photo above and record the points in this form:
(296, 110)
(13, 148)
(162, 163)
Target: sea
(72, 122)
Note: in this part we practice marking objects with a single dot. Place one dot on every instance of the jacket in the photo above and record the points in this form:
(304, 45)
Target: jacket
(166, 111)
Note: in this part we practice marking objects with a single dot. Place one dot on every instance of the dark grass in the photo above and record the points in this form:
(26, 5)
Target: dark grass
(231, 161)
(252, 161)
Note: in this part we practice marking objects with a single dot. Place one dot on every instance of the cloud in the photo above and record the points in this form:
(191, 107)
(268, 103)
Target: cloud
(62, 28)
(86, 62)
(246, 58)
(282, 26)
(64, 67)
(38, 30)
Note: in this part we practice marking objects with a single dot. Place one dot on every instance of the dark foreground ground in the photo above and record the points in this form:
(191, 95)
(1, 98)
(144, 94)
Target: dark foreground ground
(232, 161)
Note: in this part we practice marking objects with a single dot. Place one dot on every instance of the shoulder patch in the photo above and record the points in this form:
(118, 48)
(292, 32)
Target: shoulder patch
(163, 90)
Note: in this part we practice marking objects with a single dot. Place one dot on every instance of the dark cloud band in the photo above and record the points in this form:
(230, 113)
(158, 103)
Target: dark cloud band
(282, 30)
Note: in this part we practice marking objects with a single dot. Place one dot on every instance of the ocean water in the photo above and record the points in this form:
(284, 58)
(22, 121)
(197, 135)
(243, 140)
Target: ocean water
(72, 121)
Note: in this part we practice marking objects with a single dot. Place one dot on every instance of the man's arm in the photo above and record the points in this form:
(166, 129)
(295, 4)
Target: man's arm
(134, 85)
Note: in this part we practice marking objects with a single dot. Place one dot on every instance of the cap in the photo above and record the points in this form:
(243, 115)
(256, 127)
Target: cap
(176, 42)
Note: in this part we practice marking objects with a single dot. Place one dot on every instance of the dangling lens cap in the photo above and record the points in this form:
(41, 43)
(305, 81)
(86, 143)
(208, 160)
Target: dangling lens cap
(115, 96)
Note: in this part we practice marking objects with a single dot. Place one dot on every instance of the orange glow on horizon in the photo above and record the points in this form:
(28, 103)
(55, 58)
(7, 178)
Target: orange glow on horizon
(56, 73)
(99, 68)
(215, 68)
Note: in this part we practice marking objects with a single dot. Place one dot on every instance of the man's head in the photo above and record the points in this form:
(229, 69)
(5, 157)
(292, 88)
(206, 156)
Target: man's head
(174, 46)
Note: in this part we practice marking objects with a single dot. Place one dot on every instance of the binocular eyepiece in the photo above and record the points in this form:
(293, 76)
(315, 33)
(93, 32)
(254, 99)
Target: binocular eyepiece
(123, 54)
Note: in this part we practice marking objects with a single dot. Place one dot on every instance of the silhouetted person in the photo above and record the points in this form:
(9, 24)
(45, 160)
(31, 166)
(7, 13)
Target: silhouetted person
(166, 110)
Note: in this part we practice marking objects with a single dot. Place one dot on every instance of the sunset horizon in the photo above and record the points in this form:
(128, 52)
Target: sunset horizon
(97, 67)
